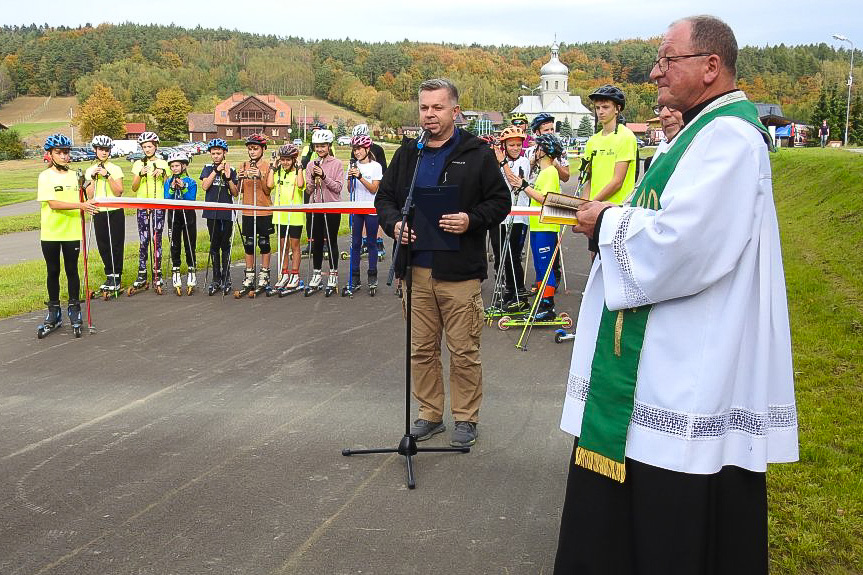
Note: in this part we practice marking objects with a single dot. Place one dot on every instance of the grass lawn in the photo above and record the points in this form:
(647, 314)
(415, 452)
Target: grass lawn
(816, 505)
(7, 198)
(30, 130)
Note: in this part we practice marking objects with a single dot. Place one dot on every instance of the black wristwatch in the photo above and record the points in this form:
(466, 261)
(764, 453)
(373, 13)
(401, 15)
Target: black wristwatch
(503, 163)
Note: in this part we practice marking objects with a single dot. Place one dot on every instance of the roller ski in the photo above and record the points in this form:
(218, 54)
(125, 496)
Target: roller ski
(263, 283)
(373, 284)
(279, 285)
(110, 289)
(562, 335)
(53, 321)
(139, 285)
(545, 316)
(214, 288)
(191, 281)
(177, 281)
(332, 284)
(158, 285)
(291, 284)
(352, 288)
(248, 285)
(226, 284)
(75, 319)
(315, 284)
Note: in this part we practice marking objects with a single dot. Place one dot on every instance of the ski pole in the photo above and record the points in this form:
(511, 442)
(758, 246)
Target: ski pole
(83, 196)
(531, 317)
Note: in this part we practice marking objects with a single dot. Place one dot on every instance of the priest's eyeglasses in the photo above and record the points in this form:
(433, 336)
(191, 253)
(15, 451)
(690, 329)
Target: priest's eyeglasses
(657, 109)
(665, 61)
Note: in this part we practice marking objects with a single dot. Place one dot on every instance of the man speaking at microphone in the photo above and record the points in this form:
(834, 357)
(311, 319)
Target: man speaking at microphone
(445, 284)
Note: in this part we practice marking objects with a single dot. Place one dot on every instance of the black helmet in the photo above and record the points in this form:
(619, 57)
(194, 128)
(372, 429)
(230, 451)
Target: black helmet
(609, 92)
(550, 144)
(539, 120)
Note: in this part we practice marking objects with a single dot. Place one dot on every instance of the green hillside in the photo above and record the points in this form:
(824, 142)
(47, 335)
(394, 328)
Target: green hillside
(816, 506)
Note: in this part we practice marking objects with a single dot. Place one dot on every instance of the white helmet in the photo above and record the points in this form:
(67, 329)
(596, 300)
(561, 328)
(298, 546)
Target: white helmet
(148, 137)
(102, 142)
(360, 130)
(178, 156)
(322, 137)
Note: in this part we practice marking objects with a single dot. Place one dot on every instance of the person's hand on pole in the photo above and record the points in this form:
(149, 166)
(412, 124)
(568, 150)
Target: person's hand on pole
(408, 236)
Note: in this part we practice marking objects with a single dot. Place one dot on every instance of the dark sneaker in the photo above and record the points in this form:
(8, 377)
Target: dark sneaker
(463, 434)
(424, 429)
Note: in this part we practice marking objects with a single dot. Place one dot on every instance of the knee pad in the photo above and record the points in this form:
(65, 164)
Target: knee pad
(249, 245)
(264, 244)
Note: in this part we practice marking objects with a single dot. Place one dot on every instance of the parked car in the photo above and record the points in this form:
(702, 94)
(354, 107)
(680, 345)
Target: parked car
(298, 142)
(78, 156)
(88, 153)
(344, 141)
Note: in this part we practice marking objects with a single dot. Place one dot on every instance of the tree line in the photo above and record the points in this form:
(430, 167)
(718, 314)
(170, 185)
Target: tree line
(378, 80)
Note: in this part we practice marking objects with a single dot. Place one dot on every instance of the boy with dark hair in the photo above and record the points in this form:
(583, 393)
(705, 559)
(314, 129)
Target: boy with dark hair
(219, 181)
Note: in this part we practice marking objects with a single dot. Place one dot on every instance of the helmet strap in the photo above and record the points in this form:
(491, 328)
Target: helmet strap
(59, 167)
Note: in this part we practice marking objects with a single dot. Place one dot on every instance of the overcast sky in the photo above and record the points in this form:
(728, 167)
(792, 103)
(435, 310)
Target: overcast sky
(520, 22)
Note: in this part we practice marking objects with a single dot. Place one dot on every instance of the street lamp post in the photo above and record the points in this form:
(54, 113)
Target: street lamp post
(842, 38)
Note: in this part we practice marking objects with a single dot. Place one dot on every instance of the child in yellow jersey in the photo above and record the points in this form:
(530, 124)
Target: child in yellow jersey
(105, 180)
(543, 237)
(59, 194)
(288, 184)
(613, 150)
(148, 181)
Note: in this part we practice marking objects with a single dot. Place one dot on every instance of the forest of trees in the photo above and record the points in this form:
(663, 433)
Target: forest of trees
(378, 80)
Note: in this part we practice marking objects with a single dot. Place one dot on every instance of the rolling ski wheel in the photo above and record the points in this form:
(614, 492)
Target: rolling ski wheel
(40, 334)
(558, 335)
(344, 255)
(77, 330)
(238, 294)
(503, 323)
(157, 290)
(372, 292)
(179, 291)
(380, 257)
(189, 290)
(567, 321)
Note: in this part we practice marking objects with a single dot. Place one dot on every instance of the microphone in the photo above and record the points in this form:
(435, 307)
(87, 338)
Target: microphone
(423, 139)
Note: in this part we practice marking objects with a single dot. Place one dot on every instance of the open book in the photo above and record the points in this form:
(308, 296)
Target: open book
(560, 209)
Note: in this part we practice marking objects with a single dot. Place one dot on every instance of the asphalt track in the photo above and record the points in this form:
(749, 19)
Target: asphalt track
(200, 435)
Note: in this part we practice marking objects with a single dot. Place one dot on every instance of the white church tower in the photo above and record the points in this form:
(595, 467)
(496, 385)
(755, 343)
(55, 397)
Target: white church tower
(554, 97)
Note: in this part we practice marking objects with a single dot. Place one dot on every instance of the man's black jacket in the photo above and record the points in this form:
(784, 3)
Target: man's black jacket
(484, 197)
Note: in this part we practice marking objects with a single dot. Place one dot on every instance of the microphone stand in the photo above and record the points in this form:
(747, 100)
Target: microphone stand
(408, 445)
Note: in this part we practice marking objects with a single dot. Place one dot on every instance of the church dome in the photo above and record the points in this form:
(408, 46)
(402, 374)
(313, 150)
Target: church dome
(554, 67)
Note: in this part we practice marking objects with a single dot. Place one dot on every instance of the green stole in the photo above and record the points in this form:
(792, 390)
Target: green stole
(614, 370)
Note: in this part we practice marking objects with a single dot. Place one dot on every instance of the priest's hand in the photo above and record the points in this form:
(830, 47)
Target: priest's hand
(588, 213)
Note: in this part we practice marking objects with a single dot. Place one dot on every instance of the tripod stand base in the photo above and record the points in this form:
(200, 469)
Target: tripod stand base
(407, 448)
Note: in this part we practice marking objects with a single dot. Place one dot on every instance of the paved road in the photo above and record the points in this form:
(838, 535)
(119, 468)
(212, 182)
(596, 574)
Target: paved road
(20, 208)
(199, 435)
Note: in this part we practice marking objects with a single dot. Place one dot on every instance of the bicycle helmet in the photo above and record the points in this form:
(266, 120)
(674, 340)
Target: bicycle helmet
(148, 137)
(609, 92)
(539, 120)
(512, 132)
(57, 141)
(550, 144)
(257, 139)
(322, 137)
(518, 117)
(217, 143)
(289, 151)
(360, 130)
(178, 156)
(102, 142)
(361, 141)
